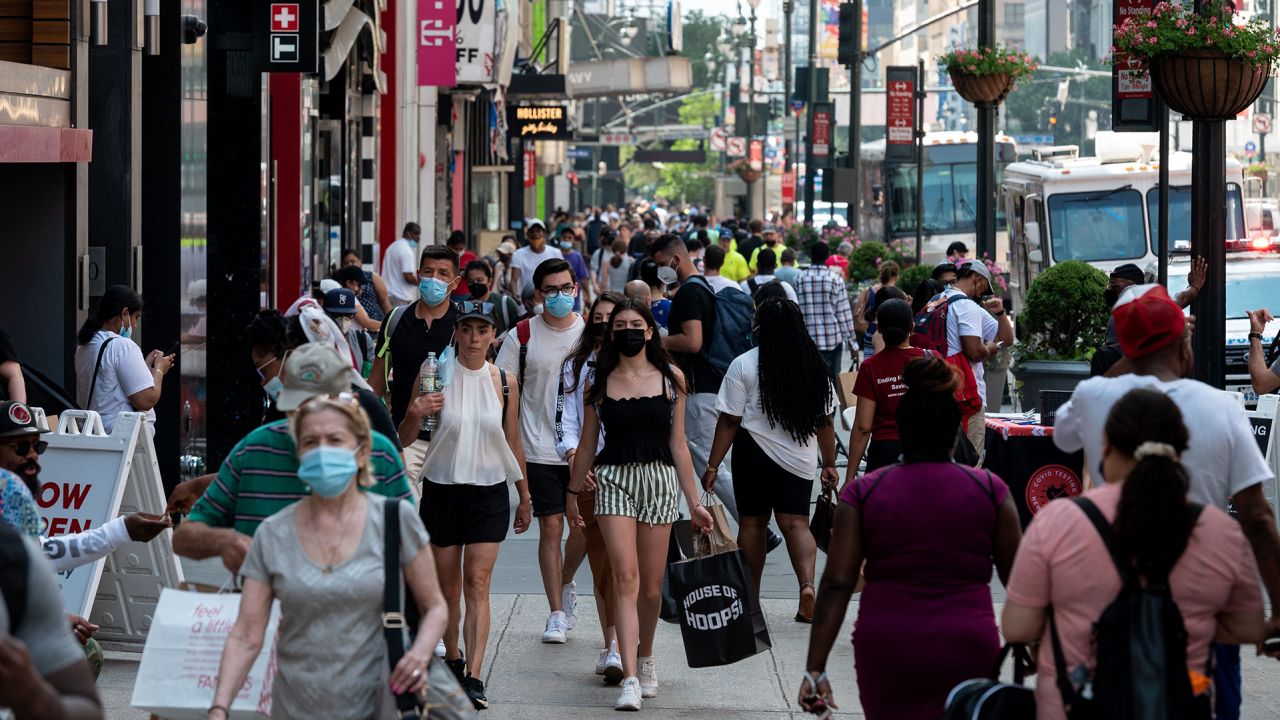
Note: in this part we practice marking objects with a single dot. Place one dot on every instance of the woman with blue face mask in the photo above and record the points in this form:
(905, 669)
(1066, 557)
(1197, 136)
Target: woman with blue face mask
(112, 375)
(322, 558)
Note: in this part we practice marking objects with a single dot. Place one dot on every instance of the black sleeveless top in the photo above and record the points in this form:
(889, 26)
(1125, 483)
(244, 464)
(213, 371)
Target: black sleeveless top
(637, 430)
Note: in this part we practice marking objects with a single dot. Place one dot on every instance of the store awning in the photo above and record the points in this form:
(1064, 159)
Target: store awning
(634, 76)
(35, 117)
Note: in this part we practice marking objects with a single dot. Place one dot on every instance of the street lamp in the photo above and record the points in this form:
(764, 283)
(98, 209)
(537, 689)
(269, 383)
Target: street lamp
(752, 210)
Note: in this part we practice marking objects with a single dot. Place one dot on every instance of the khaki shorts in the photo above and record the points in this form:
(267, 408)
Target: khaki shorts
(977, 434)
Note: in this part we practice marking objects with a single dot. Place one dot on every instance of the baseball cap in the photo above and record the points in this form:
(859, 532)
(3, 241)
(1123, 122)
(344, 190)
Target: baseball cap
(312, 370)
(340, 302)
(469, 310)
(328, 284)
(1147, 320)
(506, 247)
(1129, 272)
(535, 222)
(18, 419)
(978, 267)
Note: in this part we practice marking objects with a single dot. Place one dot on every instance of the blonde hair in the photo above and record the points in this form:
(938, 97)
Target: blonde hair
(357, 422)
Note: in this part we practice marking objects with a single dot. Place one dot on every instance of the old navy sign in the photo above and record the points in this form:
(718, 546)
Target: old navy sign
(539, 122)
(437, 44)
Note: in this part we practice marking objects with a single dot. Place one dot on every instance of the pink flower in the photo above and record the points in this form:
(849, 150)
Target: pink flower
(1151, 40)
(1151, 23)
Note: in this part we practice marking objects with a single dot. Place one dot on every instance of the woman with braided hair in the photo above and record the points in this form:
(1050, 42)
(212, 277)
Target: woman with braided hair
(775, 400)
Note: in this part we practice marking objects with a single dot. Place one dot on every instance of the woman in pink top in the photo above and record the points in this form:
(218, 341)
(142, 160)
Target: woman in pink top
(1062, 561)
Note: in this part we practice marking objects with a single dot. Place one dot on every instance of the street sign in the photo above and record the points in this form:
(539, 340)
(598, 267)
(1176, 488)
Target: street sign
(1250, 147)
(788, 187)
(437, 44)
(1261, 123)
(900, 114)
(539, 122)
(617, 139)
(286, 36)
(757, 155)
(1134, 105)
(797, 105)
(718, 138)
(737, 146)
(821, 126)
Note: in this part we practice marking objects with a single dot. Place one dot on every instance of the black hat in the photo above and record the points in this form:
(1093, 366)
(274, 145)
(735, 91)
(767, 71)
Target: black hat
(473, 310)
(18, 419)
(1129, 272)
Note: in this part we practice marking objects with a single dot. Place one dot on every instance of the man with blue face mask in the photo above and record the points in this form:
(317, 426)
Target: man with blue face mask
(408, 335)
(533, 352)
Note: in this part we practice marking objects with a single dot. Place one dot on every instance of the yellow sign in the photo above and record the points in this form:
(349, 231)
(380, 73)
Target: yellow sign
(542, 122)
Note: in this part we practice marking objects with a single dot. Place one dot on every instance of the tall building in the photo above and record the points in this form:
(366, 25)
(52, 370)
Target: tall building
(1091, 26)
(1044, 21)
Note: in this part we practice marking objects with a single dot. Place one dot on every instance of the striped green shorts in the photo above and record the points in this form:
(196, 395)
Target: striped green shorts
(648, 492)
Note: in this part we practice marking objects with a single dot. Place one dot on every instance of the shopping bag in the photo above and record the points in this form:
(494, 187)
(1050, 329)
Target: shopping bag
(847, 380)
(681, 538)
(720, 617)
(179, 667)
(719, 538)
(823, 520)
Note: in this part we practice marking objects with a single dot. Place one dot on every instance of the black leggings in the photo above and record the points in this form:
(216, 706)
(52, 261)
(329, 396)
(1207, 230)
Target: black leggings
(883, 452)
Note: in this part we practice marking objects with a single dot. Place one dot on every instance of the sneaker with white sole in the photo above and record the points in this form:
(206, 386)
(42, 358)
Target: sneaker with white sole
(604, 660)
(569, 601)
(440, 649)
(648, 678)
(556, 628)
(613, 667)
(630, 697)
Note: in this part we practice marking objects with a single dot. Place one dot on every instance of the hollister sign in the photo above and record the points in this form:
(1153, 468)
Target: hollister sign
(539, 122)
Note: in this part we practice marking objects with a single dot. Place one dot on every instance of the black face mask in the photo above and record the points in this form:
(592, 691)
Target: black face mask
(477, 289)
(630, 341)
(1111, 295)
(595, 330)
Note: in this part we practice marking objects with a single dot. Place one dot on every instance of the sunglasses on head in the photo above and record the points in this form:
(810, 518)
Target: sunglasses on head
(470, 306)
(22, 447)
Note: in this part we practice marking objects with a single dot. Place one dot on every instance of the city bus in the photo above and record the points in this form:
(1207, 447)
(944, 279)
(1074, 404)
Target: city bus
(950, 193)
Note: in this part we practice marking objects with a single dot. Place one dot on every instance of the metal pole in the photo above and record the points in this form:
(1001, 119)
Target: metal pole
(855, 123)
(1208, 240)
(1162, 233)
(809, 172)
(986, 220)
(752, 209)
(788, 6)
(919, 132)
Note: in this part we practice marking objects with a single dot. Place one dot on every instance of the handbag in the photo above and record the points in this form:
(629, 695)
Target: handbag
(989, 699)
(717, 540)
(824, 517)
(443, 698)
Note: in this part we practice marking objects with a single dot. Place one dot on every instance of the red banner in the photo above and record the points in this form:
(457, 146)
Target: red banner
(530, 168)
(821, 133)
(757, 154)
(1133, 80)
(788, 187)
(901, 110)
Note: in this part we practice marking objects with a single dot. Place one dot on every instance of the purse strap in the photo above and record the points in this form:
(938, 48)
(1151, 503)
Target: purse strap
(93, 384)
(393, 622)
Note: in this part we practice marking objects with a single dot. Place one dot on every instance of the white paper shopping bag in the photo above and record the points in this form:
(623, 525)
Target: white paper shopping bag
(179, 666)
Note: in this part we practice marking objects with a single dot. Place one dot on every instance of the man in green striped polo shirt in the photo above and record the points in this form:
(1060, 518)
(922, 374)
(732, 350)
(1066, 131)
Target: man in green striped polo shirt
(260, 475)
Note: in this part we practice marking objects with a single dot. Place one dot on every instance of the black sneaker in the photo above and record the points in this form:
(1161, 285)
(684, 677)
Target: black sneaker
(774, 541)
(459, 668)
(475, 691)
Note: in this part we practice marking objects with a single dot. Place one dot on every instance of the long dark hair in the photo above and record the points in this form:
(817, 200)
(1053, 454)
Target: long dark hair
(115, 300)
(1152, 522)
(607, 357)
(928, 416)
(587, 344)
(795, 391)
(927, 290)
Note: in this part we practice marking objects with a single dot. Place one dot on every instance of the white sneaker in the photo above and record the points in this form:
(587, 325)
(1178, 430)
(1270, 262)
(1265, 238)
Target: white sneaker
(602, 662)
(556, 627)
(440, 649)
(648, 678)
(569, 601)
(613, 666)
(630, 697)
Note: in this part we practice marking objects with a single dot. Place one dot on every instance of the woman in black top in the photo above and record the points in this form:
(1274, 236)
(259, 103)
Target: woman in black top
(639, 397)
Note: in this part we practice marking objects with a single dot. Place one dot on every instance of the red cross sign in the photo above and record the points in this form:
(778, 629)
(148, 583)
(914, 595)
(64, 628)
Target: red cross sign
(284, 17)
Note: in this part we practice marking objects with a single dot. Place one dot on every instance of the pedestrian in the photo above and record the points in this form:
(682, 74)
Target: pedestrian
(457, 242)
(787, 271)
(879, 389)
(43, 674)
(771, 244)
(886, 294)
(533, 353)
(581, 273)
(754, 240)
(864, 312)
(637, 397)
(979, 329)
(322, 558)
(502, 274)
(775, 408)
(825, 303)
(474, 453)
(13, 386)
(112, 376)
(351, 277)
(577, 372)
(1064, 562)
(478, 277)
(765, 267)
(342, 307)
(838, 263)
(372, 291)
(1223, 462)
(712, 264)
(957, 252)
(617, 267)
(928, 531)
(927, 291)
(659, 303)
(408, 336)
(1127, 276)
(944, 273)
(259, 476)
(527, 259)
(399, 264)
(734, 267)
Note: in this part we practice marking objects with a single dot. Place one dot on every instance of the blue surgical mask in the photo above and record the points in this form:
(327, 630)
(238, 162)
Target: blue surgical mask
(432, 291)
(560, 305)
(127, 332)
(273, 388)
(566, 245)
(328, 470)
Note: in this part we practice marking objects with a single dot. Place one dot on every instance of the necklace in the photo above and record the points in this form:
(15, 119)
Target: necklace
(331, 555)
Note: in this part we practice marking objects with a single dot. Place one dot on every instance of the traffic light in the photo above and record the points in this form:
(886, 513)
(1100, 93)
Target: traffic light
(850, 34)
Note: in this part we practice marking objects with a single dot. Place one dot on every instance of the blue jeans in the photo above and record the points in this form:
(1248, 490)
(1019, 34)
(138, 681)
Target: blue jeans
(832, 357)
(1226, 681)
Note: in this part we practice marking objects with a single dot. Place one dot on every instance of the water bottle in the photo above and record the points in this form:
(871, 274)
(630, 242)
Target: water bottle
(429, 382)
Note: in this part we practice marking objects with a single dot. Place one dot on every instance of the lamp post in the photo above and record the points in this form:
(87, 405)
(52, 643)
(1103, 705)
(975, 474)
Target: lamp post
(753, 207)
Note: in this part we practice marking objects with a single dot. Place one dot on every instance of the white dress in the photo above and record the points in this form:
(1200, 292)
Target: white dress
(469, 446)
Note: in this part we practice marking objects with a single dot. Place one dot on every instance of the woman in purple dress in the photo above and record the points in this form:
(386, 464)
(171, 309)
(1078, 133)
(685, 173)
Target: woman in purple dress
(929, 531)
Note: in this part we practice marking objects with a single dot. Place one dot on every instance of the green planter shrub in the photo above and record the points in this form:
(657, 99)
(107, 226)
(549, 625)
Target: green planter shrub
(1065, 317)
(864, 263)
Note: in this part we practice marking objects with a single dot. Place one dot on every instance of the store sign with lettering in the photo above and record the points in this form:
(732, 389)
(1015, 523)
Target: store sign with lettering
(539, 122)
(476, 40)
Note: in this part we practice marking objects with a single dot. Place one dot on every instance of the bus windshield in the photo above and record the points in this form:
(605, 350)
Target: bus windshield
(948, 205)
(1097, 225)
(1180, 215)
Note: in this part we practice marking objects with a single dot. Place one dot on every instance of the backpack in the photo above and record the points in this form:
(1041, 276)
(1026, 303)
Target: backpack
(731, 335)
(1141, 645)
(384, 350)
(931, 335)
(523, 333)
(13, 575)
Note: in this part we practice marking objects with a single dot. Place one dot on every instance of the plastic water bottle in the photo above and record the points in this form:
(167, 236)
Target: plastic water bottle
(429, 382)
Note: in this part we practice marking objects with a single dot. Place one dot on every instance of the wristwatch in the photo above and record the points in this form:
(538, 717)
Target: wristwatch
(1255, 336)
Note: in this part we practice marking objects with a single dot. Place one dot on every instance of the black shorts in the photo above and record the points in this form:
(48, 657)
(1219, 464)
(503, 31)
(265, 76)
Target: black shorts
(548, 485)
(881, 453)
(465, 514)
(763, 487)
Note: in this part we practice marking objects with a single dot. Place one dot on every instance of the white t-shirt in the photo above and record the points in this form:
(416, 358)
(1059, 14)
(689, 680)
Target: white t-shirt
(548, 347)
(720, 282)
(969, 319)
(740, 395)
(400, 258)
(1222, 457)
(745, 285)
(526, 260)
(124, 372)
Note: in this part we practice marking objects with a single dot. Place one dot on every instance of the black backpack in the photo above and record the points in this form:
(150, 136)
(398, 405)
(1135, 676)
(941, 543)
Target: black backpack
(1141, 646)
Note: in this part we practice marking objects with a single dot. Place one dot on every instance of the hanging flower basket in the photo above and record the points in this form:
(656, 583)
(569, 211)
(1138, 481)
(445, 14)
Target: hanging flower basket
(982, 88)
(1207, 84)
(988, 74)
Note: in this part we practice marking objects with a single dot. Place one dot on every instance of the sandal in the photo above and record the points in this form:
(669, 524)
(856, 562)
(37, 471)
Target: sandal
(806, 604)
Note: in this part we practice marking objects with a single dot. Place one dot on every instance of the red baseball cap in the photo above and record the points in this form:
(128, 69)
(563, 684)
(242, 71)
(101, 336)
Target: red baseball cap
(1147, 320)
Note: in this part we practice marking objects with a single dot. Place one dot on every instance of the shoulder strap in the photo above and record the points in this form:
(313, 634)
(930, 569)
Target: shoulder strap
(93, 384)
(1065, 688)
(523, 333)
(506, 392)
(1103, 527)
(393, 320)
(14, 566)
(752, 284)
(559, 422)
(393, 622)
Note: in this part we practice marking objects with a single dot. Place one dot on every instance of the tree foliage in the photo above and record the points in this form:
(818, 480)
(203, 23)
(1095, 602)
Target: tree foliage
(692, 182)
(1026, 107)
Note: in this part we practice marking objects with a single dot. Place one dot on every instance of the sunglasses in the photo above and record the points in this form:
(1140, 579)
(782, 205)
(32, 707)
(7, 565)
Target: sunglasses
(470, 306)
(22, 447)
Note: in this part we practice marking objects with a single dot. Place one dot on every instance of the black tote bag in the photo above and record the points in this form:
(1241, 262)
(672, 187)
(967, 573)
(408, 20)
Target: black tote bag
(720, 617)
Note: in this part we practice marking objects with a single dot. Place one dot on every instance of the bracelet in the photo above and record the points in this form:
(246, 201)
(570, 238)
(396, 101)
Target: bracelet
(223, 708)
(1255, 336)
(711, 469)
(813, 678)
(571, 491)
(999, 314)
